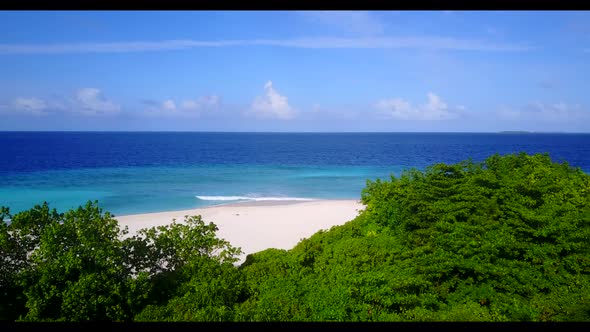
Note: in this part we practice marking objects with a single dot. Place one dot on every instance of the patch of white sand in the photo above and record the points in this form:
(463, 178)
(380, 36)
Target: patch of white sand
(256, 226)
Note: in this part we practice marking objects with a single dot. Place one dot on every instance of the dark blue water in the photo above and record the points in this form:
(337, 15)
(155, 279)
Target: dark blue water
(131, 172)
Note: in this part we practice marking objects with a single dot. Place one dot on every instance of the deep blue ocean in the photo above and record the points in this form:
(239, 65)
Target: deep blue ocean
(138, 172)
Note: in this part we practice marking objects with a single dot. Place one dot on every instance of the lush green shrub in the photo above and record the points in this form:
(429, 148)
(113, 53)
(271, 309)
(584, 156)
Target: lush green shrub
(79, 266)
(502, 240)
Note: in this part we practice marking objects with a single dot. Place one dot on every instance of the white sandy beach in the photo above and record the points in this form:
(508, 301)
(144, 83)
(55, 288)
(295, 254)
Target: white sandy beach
(260, 225)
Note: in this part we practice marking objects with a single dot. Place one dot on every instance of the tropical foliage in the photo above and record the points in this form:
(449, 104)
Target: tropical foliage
(501, 240)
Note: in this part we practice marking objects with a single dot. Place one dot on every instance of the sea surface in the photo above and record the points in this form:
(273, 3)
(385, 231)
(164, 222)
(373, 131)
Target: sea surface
(140, 172)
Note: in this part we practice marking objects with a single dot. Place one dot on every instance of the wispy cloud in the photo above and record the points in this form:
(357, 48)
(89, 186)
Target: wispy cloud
(210, 102)
(434, 109)
(507, 113)
(169, 105)
(545, 112)
(117, 47)
(85, 101)
(556, 112)
(319, 112)
(271, 105)
(361, 22)
(33, 106)
(428, 42)
(91, 101)
(186, 108)
(402, 42)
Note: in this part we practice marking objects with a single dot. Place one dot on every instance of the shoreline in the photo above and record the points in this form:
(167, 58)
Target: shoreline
(239, 203)
(257, 226)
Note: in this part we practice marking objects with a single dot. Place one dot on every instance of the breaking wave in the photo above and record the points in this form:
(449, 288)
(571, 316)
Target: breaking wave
(246, 198)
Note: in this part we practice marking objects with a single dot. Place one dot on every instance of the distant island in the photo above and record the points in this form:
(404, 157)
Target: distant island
(535, 132)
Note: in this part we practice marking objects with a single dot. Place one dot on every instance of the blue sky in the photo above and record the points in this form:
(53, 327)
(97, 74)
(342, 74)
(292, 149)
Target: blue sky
(411, 71)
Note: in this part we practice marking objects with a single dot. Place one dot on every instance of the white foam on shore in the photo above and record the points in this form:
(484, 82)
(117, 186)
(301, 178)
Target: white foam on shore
(257, 199)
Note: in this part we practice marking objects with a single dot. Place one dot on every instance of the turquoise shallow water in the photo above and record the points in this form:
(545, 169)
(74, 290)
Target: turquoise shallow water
(132, 190)
(139, 172)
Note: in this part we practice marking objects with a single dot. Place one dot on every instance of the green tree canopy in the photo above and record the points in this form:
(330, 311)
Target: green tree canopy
(80, 266)
(501, 240)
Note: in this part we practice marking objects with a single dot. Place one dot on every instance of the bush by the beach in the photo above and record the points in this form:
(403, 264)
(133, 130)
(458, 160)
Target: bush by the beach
(79, 266)
(502, 240)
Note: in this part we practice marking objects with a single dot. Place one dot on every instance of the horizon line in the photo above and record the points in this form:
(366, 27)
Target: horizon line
(296, 132)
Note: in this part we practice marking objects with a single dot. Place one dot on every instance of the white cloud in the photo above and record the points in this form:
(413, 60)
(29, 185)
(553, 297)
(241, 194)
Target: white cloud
(543, 112)
(435, 104)
(90, 101)
(555, 112)
(169, 105)
(321, 113)
(187, 108)
(272, 105)
(434, 109)
(190, 105)
(115, 47)
(362, 22)
(428, 42)
(315, 108)
(507, 113)
(202, 102)
(86, 101)
(396, 108)
(412, 42)
(33, 106)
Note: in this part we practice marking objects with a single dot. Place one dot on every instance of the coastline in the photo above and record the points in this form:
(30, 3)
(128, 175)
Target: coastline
(257, 226)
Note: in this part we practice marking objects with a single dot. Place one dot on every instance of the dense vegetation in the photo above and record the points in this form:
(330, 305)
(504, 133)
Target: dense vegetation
(502, 240)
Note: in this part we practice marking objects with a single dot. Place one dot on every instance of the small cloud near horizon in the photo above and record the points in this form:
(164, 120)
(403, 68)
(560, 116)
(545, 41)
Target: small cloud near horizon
(91, 101)
(544, 112)
(186, 108)
(271, 105)
(434, 109)
(33, 106)
(85, 101)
